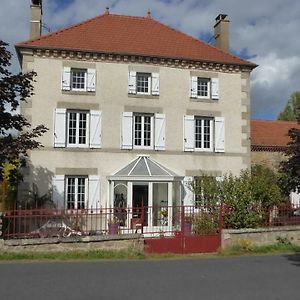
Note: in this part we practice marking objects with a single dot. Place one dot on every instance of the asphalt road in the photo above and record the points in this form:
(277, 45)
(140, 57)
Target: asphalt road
(260, 277)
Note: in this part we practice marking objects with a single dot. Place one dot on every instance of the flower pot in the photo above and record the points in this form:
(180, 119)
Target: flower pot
(113, 228)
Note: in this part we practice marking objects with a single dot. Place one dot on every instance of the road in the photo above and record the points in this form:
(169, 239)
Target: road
(259, 277)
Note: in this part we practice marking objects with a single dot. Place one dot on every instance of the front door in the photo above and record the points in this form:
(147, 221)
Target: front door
(140, 199)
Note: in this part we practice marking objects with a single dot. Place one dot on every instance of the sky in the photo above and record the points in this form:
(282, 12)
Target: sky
(265, 32)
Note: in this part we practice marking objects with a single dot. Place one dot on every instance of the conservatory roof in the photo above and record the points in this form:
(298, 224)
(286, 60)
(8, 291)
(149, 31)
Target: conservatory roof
(145, 168)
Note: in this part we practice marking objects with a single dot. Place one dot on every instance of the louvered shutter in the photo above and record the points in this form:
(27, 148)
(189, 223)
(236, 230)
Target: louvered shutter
(219, 134)
(194, 86)
(58, 191)
(215, 88)
(189, 133)
(60, 127)
(160, 131)
(132, 82)
(66, 79)
(95, 129)
(91, 80)
(188, 194)
(126, 135)
(155, 84)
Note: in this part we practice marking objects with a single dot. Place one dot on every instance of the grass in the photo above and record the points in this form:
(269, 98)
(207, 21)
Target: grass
(242, 247)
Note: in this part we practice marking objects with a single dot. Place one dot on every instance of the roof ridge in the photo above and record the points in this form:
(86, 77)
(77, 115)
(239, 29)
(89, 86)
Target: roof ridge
(200, 41)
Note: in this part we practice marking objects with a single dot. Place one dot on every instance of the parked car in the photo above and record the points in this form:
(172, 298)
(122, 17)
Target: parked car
(54, 229)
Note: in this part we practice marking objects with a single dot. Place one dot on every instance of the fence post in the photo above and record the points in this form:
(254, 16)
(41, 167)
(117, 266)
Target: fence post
(1, 224)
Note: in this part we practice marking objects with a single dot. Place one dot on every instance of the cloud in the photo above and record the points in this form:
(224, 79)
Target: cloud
(266, 30)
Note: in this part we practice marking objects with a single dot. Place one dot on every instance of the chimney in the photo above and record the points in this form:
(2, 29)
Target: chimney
(222, 32)
(36, 19)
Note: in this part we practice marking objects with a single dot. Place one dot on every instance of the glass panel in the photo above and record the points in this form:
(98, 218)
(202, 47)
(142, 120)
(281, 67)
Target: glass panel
(141, 168)
(82, 128)
(160, 204)
(202, 87)
(81, 193)
(206, 134)
(78, 79)
(198, 136)
(70, 193)
(142, 83)
(120, 202)
(137, 130)
(72, 128)
(147, 130)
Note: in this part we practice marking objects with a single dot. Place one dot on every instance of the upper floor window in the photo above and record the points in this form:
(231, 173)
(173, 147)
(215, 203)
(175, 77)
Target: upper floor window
(143, 131)
(143, 83)
(204, 134)
(78, 80)
(77, 128)
(204, 88)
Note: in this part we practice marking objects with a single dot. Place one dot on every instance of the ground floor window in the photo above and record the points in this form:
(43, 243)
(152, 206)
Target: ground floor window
(76, 192)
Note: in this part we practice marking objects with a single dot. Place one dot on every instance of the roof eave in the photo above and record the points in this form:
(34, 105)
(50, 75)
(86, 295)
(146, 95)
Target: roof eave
(246, 64)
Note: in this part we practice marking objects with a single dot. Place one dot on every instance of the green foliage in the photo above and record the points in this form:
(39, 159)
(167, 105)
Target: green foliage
(291, 109)
(206, 222)
(245, 197)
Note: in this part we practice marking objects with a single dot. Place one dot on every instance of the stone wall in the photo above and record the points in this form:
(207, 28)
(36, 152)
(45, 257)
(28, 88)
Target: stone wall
(260, 236)
(268, 159)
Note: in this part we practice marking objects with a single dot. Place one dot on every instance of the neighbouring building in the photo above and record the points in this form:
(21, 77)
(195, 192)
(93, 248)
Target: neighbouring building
(135, 109)
(269, 141)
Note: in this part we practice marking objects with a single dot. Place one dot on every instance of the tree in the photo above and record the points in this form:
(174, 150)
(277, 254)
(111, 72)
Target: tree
(290, 111)
(16, 134)
(290, 168)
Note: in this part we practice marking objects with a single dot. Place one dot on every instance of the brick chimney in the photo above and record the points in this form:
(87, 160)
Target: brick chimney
(36, 19)
(222, 32)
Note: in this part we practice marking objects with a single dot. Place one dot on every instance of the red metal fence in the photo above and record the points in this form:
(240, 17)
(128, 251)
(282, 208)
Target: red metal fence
(155, 221)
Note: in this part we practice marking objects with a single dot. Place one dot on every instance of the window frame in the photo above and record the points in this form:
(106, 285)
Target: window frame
(76, 192)
(74, 70)
(208, 81)
(87, 129)
(149, 76)
(202, 134)
(142, 146)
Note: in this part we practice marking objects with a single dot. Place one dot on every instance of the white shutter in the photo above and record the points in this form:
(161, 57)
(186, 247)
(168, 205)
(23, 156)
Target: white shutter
(188, 194)
(132, 82)
(60, 127)
(219, 134)
(91, 80)
(66, 79)
(95, 129)
(160, 131)
(126, 135)
(215, 88)
(58, 191)
(94, 192)
(189, 133)
(155, 84)
(194, 86)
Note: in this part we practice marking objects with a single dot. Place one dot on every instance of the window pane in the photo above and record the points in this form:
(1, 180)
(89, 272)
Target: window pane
(142, 84)
(206, 136)
(202, 87)
(72, 128)
(81, 193)
(78, 79)
(82, 128)
(198, 136)
(70, 193)
(147, 130)
(137, 130)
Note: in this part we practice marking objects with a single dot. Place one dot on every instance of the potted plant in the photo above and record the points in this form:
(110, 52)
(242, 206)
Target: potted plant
(113, 225)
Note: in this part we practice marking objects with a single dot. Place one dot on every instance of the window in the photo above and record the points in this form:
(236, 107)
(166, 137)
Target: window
(203, 134)
(76, 192)
(143, 83)
(204, 88)
(143, 131)
(78, 129)
(74, 128)
(78, 80)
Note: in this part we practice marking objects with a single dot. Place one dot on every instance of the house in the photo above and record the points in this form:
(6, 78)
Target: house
(135, 108)
(269, 141)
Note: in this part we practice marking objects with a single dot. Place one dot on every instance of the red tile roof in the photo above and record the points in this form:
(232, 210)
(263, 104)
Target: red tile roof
(272, 134)
(129, 35)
